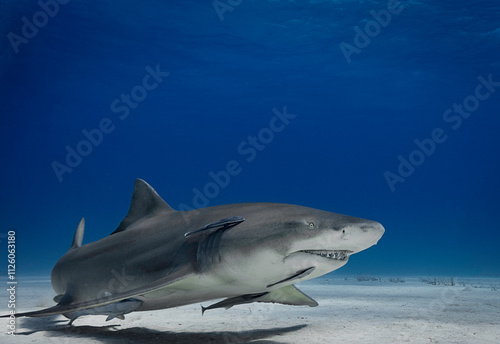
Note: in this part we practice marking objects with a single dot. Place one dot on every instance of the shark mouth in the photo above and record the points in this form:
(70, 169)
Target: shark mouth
(335, 255)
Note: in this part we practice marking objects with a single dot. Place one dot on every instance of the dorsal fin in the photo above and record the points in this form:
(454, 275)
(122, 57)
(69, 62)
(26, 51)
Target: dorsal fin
(78, 237)
(145, 201)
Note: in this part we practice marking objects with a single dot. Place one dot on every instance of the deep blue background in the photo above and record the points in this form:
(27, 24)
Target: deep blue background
(353, 120)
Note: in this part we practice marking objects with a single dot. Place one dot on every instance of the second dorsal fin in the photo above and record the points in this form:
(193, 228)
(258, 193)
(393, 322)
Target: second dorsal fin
(145, 201)
(78, 237)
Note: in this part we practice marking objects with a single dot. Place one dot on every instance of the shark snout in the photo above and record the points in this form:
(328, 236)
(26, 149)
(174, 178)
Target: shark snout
(373, 227)
(360, 236)
(372, 231)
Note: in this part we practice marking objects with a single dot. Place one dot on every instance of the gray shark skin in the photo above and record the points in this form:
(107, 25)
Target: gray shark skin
(161, 258)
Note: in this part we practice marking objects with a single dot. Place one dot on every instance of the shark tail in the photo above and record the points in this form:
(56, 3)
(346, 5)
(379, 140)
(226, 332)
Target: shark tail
(66, 304)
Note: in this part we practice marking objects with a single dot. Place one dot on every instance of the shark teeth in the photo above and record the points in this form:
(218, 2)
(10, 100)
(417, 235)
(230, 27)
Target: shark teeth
(336, 255)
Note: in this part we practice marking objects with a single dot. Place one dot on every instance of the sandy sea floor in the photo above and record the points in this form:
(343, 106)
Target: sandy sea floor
(349, 311)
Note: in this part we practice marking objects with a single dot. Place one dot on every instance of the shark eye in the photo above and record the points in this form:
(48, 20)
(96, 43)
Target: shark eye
(311, 225)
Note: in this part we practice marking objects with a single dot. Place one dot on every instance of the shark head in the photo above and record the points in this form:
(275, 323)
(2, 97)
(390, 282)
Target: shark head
(325, 240)
(285, 244)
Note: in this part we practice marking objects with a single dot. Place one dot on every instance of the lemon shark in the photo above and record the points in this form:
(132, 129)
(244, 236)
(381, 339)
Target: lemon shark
(161, 258)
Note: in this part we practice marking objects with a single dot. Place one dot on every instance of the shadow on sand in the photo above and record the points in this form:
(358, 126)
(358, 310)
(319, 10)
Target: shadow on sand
(112, 333)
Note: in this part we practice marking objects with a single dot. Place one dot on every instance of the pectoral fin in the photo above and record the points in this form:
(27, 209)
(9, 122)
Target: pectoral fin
(288, 295)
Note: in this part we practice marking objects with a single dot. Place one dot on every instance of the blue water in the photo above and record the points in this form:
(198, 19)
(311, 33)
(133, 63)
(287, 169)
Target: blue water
(358, 93)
